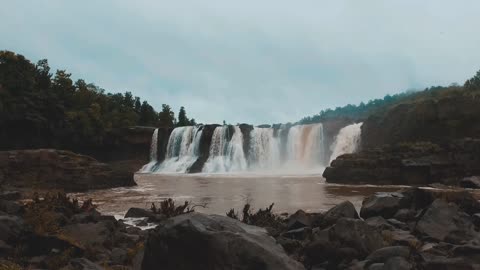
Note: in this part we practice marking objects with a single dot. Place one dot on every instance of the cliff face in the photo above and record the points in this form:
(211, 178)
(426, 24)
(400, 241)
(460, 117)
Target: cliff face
(408, 164)
(438, 120)
(56, 169)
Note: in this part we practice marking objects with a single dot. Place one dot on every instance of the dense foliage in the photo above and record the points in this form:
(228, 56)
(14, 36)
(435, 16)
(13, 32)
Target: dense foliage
(364, 110)
(36, 104)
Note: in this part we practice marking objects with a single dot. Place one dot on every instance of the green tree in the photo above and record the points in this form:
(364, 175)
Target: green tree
(166, 118)
(473, 83)
(182, 118)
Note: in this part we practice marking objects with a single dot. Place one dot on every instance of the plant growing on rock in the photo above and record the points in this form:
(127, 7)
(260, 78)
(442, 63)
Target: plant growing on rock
(49, 213)
(168, 208)
(262, 218)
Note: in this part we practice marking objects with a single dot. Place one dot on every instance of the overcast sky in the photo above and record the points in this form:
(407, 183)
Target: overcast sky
(259, 62)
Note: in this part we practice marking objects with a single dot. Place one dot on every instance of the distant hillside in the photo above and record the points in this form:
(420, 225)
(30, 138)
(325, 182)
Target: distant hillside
(364, 110)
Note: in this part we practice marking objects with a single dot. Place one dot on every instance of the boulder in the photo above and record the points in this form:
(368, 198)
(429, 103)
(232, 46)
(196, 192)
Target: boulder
(382, 204)
(470, 182)
(89, 234)
(135, 212)
(343, 210)
(357, 234)
(11, 228)
(397, 263)
(443, 219)
(298, 220)
(10, 195)
(57, 169)
(383, 254)
(82, 264)
(212, 242)
(119, 256)
(11, 207)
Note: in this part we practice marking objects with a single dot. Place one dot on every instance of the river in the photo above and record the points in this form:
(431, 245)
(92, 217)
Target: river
(221, 192)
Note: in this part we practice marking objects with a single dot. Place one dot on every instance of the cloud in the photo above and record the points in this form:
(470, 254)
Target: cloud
(250, 61)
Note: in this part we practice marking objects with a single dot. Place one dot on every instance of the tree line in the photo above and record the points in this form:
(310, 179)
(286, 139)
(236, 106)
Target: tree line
(33, 100)
(363, 110)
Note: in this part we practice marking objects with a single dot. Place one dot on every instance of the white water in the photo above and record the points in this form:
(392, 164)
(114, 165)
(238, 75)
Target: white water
(347, 141)
(288, 150)
(153, 153)
(182, 149)
(226, 156)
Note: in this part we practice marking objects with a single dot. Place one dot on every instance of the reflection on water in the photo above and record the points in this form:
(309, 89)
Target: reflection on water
(223, 192)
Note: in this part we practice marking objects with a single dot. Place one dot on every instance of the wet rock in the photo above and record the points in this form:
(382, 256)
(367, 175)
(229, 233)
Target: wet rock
(405, 215)
(119, 256)
(398, 224)
(400, 237)
(470, 182)
(212, 242)
(5, 249)
(379, 223)
(298, 220)
(11, 228)
(442, 219)
(11, 207)
(298, 234)
(382, 204)
(343, 210)
(383, 254)
(10, 195)
(82, 264)
(358, 235)
(86, 217)
(397, 263)
(376, 266)
(138, 213)
(89, 234)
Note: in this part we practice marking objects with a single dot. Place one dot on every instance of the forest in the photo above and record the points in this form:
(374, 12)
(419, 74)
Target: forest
(36, 101)
(378, 106)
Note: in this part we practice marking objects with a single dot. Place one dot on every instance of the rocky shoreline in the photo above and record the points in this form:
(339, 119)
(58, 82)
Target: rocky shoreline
(420, 163)
(409, 229)
(51, 169)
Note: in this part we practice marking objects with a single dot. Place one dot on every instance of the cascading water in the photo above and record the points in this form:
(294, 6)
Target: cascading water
(182, 149)
(153, 153)
(305, 146)
(226, 155)
(286, 149)
(347, 141)
(264, 152)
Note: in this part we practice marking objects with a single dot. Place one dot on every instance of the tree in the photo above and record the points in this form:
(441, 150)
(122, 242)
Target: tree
(182, 118)
(43, 77)
(473, 83)
(137, 104)
(166, 118)
(128, 100)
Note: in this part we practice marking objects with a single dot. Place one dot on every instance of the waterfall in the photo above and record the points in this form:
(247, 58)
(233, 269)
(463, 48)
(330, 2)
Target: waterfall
(226, 155)
(153, 154)
(347, 141)
(284, 148)
(305, 146)
(182, 149)
(264, 149)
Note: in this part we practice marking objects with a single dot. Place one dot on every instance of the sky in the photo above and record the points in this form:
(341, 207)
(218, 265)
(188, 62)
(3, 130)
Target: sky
(270, 61)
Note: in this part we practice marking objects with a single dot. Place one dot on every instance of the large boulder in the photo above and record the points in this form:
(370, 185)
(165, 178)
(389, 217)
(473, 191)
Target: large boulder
(444, 221)
(357, 234)
(382, 204)
(57, 169)
(345, 209)
(199, 241)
